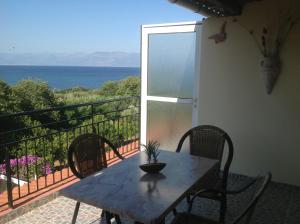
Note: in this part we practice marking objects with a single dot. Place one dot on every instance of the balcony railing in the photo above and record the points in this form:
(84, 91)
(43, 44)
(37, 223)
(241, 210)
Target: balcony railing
(34, 144)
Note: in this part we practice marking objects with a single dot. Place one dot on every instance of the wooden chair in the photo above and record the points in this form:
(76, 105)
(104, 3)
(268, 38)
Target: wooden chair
(259, 186)
(209, 141)
(86, 156)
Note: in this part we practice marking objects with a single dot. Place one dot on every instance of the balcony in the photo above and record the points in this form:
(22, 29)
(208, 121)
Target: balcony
(230, 93)
(27, 189)
(34, 151)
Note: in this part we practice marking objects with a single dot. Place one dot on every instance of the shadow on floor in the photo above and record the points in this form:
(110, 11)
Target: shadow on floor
(280, 203)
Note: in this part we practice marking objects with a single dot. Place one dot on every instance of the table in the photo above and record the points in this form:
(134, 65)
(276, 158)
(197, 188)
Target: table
(126, 190)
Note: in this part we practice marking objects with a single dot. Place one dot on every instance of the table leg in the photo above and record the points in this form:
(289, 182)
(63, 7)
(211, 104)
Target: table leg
(75, 212)
(108, 217)
(117, 218)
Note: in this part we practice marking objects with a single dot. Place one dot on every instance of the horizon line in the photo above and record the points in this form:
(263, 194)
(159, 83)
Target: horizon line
(90, 66)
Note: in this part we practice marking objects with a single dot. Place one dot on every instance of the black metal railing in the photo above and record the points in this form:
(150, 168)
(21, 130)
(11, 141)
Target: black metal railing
(34, 144)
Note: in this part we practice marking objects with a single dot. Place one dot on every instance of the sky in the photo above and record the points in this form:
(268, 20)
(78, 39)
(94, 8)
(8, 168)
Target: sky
(81, 26)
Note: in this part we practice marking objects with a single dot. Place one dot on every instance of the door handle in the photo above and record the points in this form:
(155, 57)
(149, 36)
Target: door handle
(195, 101)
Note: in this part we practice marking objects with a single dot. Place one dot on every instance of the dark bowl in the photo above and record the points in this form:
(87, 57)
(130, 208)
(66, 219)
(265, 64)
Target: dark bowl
(152, 167)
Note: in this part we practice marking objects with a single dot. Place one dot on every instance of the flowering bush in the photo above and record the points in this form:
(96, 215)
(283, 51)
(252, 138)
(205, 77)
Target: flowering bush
(33, 165)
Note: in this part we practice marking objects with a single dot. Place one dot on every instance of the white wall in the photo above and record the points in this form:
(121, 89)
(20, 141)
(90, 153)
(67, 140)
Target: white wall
(265, 129)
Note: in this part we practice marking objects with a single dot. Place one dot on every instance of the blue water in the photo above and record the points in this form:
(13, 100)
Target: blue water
(63, 77)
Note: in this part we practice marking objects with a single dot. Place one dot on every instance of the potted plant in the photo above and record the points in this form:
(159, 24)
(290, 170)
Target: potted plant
(152, 152)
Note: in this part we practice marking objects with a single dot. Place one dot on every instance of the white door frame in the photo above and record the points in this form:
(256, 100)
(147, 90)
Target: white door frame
(159, 29)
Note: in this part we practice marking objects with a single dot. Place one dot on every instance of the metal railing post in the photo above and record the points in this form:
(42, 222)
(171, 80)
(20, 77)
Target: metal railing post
(93, 127)
(8, 181)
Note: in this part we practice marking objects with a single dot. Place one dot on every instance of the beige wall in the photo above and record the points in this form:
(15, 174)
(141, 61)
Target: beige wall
(265, 128)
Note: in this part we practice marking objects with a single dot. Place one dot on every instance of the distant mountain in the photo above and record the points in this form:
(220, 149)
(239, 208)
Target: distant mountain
(111, 59)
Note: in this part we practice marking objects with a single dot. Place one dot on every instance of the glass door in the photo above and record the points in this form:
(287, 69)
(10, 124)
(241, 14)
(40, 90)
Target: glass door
(170, 80)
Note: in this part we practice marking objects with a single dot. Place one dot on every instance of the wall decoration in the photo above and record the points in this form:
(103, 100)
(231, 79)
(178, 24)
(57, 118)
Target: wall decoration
(270, 42)
(221, 36)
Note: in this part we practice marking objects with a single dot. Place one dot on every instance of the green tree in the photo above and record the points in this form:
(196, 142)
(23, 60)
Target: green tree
(50, 141)
(5, 94)
(129, 87)
(6, 107)
(109, 89)
(126, 87)
(33, 94)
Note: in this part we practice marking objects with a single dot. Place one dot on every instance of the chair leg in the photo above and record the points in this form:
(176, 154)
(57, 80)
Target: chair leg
(75, 212)
(223, 209)
(117, 218)
(108, 217)
(188, 198)
(175, 212)
(163, 221)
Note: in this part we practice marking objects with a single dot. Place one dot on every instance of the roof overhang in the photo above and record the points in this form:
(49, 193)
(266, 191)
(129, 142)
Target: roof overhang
(214, 7)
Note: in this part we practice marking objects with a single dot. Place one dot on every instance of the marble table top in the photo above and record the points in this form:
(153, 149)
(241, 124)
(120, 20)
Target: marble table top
(126, 190)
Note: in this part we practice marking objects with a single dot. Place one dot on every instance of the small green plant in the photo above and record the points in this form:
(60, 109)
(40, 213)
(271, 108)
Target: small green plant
(152, 151)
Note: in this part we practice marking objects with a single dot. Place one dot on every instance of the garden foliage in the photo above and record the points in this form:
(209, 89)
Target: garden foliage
(40, 146)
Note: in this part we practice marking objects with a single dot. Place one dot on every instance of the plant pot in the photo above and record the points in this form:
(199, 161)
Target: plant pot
(270, 69)
(152, 167)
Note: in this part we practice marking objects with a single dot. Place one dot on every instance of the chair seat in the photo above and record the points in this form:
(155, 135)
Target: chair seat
(185, 218)
(210, 194)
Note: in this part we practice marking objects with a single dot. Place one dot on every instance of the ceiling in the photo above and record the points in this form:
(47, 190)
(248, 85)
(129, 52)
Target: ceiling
(214, 7)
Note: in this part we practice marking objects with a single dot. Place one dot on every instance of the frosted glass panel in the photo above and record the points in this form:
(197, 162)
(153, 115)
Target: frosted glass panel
(167, 122)
(171, 63)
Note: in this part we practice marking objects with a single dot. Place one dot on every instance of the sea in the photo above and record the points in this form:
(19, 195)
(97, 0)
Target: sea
(64, 77)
